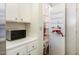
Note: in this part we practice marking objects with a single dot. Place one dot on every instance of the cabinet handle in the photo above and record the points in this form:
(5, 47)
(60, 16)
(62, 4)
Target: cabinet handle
(18, 53)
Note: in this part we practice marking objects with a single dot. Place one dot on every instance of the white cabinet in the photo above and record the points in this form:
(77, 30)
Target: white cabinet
(18, 12)
(32, 48)
(34, 52)
(11, 12)
(29, 48)
(25, 12)
(20, 50)
(32, 45)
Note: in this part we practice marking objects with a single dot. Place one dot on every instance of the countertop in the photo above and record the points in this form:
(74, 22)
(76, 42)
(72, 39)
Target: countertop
(15, 43)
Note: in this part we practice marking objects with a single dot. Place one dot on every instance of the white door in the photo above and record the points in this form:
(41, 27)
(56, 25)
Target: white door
(11, 11)
(56, 40)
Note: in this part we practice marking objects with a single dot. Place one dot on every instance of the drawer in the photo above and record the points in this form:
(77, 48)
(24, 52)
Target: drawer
(17, 51)
(33, 52)
(32, 45)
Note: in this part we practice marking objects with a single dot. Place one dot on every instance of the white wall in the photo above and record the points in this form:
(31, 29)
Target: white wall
(70, 29)
(34, 19)
(36, 25)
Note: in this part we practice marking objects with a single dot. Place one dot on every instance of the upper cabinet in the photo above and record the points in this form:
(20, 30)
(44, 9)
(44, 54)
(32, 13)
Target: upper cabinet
(11, 12)
(18, 12)
(25, 12)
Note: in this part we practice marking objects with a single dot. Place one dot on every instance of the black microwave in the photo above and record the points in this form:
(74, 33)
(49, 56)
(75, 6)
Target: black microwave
(15, 34)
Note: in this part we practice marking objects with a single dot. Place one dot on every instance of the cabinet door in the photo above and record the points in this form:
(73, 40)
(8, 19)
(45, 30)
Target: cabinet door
(32, 45)
(25, 12)
(11, 11)
(32, 48)
(21, 50)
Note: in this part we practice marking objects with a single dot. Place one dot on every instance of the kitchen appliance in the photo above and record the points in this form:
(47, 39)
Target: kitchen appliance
(15, 34)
